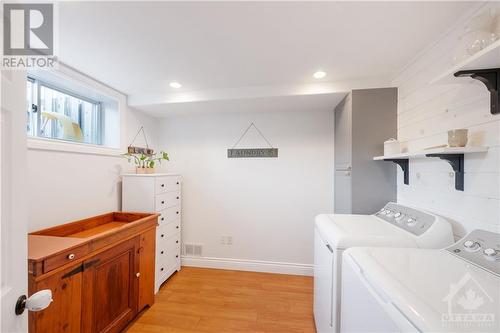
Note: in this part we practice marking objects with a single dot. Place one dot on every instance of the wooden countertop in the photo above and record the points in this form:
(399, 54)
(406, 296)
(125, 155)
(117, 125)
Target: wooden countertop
(92, 234)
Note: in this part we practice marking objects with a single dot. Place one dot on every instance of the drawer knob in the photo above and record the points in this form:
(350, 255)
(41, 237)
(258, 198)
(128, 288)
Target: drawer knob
(161, 252)
(177, 198)
(176, 227)
(177, 213)
(177, 183)
(163, 219)
(138, 274)
(71, 256)
(161, 269)
(162, 185)
(177, 242)
(162, 235)
(177, 256)
(163, 202)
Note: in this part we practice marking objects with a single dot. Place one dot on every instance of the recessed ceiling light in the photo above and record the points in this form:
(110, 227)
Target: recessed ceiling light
(319, 75)
(175, 85)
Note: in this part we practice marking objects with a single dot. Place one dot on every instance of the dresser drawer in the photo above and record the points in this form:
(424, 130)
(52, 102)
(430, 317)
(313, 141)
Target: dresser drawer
(64, 258)
(167, 200)
(169, 215)
(167, 184)
(167, 231)
(168, 251)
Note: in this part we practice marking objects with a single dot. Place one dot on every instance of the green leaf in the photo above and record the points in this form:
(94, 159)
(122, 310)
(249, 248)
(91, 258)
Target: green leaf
(165, 156)
(151, 164)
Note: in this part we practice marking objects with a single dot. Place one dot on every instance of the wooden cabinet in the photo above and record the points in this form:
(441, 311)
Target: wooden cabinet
(111, 283)
(103, 288)
(64, 313)
(159, 193)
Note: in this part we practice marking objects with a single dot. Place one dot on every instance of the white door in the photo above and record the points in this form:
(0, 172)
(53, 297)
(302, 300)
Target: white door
(13, 232)
(323, 284)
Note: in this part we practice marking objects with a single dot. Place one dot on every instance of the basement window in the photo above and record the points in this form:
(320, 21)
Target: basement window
(59, 114)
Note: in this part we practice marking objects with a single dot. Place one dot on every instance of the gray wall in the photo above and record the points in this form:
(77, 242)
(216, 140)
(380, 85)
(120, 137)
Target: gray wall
(374, 120)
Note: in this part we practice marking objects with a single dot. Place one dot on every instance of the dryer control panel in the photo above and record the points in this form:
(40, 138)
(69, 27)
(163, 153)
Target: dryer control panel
(481, 248)
(412, 220)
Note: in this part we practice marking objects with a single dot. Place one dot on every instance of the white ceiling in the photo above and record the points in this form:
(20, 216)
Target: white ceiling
(231, 50)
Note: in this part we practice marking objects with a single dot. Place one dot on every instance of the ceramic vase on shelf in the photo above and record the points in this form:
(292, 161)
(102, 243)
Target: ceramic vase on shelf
(139, 170)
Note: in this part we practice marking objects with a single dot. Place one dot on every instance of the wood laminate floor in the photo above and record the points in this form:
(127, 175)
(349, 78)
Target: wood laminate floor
(210, 300)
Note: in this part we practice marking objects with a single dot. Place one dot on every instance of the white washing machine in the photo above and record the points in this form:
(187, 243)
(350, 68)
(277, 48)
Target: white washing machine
(423, 290)
(393, 226)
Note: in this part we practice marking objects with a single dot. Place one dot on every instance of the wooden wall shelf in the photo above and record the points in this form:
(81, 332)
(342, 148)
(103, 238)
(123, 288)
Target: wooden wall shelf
(454, 156)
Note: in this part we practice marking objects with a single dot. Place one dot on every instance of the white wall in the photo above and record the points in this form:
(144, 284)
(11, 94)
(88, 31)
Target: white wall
(65, 186)
(266, 205)
(425, 113)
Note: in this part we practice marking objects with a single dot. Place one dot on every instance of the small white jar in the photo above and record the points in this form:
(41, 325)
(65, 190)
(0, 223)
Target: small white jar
(392, 147)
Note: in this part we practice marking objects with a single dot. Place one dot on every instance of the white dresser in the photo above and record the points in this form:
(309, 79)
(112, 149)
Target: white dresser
(158, 193)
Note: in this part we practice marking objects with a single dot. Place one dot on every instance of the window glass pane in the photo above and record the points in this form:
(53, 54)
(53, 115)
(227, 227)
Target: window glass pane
(63, 116)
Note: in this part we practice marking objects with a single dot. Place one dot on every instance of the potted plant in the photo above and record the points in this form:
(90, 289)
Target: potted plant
(145, 163)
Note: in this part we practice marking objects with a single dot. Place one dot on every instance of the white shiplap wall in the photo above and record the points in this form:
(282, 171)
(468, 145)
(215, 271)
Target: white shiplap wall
(425, 113)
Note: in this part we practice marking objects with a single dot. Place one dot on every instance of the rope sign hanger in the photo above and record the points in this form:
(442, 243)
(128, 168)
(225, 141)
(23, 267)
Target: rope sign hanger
(140, 150)
(252, 152)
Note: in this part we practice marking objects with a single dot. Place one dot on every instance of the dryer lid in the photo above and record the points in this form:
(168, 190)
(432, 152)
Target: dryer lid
(346, 230)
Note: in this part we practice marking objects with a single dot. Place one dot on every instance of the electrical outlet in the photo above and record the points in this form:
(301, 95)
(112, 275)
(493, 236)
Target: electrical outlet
(226, 240)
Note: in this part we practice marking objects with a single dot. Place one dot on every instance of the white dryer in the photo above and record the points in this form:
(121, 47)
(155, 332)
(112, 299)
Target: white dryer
(423, 290)
(393, 226)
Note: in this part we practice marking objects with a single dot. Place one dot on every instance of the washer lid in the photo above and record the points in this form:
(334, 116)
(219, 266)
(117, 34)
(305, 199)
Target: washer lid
(345, 230)
(434, 289)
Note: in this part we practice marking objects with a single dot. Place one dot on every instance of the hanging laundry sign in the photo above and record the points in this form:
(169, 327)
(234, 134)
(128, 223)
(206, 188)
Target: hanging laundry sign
(252, 152)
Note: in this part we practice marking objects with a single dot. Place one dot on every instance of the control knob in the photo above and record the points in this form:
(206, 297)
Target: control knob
(411, 222)
(471, 246)
(491, 254)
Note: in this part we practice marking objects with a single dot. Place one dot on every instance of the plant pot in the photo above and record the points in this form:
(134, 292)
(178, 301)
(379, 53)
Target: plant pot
(144, 170)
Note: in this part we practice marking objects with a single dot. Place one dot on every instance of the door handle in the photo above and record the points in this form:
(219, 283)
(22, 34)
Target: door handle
(36, 302)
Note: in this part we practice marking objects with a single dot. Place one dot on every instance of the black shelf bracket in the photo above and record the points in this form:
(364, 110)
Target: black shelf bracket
(404, 163)
(457, 163)
(491, 79)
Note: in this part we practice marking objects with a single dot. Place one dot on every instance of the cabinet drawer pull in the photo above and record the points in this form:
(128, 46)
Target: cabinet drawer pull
(161, 269)
(177, 183)
(162, 235)
(177, 213)
(163, 219)
(162, 185)
(161, 252)
(177, 256)
(177, 198)
(138, 274)
(177, 242)
(71, 256)
(163, 202)
(176, 227)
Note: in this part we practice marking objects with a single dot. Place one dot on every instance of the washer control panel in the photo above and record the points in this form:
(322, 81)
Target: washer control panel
(412, 220)
(481, 248)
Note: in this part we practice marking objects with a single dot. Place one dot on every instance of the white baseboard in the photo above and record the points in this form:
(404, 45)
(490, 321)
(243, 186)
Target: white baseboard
(249, 265)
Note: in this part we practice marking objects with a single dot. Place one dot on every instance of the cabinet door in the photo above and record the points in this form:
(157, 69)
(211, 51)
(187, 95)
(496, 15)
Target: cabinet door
(64, 313)
(110, 285)
(147, 252)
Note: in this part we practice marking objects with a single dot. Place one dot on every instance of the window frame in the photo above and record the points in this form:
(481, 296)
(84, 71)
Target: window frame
(38, 84)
